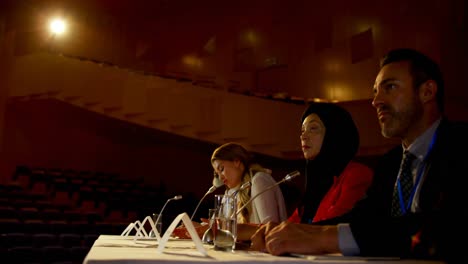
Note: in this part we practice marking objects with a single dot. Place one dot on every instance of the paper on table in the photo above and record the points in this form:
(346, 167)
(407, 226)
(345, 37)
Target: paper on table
(139, 227)
(190, 228)
(141, 232)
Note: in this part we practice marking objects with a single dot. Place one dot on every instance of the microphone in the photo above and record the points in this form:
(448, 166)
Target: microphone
(241, 188)
(209, 234)
(177, 197)
(216, 184)
(288, 177)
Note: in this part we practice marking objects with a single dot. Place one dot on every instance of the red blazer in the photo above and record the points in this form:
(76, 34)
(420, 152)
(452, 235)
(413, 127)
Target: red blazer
(347, 189)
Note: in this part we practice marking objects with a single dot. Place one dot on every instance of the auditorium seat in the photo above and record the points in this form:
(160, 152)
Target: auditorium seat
(88, 198)
(44, 204)
(132, 215)
(4, 241)
(53, 214)
(30, 213)
(25, 201)
(63, 198)
(78, 253)
(17, 239)
(44, 239)
(93, 183)
(5, 201)
(59, 226)
(81, 227)
(8, 212)
(105, 228)
(115, 216)
(68, 240)
(35, 226)
(39, 175)
(11, 225)
(22, 178)
(89, 239)
(93, 216)
(51, 254)
(4, 252)
(56, 215)
(106, 179)
(25, 254)
(73, 215)
(11, 189)
(85, 176)
(21, 170)
(55, 173)
(39, 189)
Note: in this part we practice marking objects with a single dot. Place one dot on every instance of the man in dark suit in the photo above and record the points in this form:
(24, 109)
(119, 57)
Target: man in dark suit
(415, 207)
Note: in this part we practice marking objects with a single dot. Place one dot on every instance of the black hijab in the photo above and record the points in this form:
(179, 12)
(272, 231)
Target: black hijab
(339, 147)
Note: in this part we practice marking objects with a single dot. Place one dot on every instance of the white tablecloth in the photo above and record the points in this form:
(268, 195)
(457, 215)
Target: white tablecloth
(117, 249)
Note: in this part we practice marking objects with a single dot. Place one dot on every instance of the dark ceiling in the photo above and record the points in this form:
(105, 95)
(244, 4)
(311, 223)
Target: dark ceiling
(309, 49)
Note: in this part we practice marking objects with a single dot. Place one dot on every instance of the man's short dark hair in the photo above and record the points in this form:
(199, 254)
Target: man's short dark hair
(422, 68)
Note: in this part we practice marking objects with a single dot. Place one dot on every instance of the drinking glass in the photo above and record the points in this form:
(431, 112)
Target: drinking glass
(225, 234)
(218, 200)
(208, 236)
(157, 219)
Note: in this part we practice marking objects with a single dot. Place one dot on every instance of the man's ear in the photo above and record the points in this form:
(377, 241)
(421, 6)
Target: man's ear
(427, 91)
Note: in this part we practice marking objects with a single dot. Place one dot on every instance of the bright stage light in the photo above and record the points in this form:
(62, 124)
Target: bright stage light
(57, 26)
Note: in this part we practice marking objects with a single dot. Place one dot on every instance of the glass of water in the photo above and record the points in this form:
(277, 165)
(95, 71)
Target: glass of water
(208, 236)
(157, 219)
(225, 234)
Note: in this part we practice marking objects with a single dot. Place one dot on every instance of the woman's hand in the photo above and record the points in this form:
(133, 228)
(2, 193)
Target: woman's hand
(182, 232)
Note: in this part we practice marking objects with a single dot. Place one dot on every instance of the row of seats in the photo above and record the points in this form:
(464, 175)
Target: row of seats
(84, 192)
(69, 178)
(44, 255)
(38, 240)
(55, 215)
(58, 227)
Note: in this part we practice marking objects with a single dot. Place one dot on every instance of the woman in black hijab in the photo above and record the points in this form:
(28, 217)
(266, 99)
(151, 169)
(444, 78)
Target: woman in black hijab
(334, 182)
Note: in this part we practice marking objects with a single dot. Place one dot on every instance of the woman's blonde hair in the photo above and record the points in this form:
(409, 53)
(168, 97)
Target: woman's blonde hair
(232, 152)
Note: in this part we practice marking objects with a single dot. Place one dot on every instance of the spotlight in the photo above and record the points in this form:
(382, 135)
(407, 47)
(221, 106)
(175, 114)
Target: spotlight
(57, 26)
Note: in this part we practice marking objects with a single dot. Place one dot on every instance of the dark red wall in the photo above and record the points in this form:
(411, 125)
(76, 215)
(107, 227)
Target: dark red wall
(52, 134)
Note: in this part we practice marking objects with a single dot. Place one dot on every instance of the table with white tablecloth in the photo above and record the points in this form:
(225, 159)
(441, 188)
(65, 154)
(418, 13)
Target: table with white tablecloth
(126, 249)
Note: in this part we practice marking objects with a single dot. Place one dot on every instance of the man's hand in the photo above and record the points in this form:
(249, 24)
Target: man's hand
(258, 238)
(296, 238)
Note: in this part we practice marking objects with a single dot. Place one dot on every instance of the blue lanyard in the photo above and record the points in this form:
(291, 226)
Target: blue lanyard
(406, 208)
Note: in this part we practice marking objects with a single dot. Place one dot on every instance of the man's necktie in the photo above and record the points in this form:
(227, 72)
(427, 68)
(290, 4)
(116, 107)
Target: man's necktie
(406, 184)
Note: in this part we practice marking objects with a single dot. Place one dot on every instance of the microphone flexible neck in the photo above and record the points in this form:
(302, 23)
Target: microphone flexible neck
(241, 188)
(160, 213)
(164, 206)
(198, 205)
(253, 197)
(288, 177)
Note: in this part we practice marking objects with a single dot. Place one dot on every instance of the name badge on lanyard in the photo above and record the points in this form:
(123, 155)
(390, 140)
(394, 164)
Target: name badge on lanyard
(407, 207)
